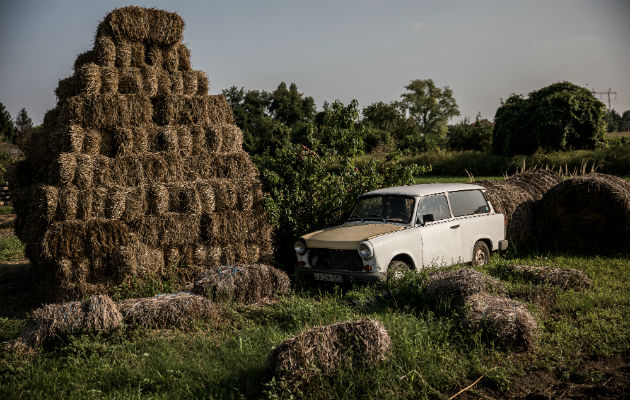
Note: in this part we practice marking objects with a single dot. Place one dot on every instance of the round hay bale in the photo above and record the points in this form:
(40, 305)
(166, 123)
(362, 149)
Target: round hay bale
(503, 321)
(565, 278)
(246, 284)
(521, 232)
(458, 284)
(97, 314)
(587, 214)
(322, 350)
(178, 310)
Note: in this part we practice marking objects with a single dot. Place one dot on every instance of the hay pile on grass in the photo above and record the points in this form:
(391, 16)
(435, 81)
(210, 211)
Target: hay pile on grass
(322, 350)
(242, 283)
(503, 321)
(515, 198)
(586, 214)
(456, 285)
(137, 156)
(564, 278)
(179, 310)
(97, 314)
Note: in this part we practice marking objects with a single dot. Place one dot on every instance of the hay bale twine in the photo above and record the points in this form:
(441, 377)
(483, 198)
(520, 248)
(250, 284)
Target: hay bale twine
(97, 314)
(178, 310)
(323, 349)
(565, 278)
(242, 283)
(503, 321)
(587, 214)
(456, 285)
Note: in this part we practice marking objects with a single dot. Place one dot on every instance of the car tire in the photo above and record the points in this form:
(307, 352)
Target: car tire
(396, 271)
(481, 254)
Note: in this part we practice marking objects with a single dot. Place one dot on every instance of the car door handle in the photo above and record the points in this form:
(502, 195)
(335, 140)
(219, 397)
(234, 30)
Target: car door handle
(455, 226)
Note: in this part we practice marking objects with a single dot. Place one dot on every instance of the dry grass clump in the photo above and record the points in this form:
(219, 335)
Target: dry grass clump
(456, 285)
(565, 278)
(586, 214)
(179, 310)
(508, 197)
(96, 314)
(504, 321)
(242, 283)
(323, 349)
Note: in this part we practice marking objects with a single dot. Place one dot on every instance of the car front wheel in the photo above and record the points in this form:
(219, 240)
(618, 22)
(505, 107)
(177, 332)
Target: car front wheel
(396, 271)
(481, 254)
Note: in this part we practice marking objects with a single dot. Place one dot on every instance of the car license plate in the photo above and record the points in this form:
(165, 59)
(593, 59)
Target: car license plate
(320, 276)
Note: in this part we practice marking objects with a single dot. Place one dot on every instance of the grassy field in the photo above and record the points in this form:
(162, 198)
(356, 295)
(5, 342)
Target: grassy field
(582, 347)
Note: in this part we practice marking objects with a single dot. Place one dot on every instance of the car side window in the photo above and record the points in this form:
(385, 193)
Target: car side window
(468, 202)
(433, 208)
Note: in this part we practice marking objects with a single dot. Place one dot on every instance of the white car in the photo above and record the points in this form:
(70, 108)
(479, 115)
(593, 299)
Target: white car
(405, 227)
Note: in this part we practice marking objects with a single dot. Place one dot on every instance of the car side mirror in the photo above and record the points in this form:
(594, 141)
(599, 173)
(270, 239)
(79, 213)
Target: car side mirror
(426, 218)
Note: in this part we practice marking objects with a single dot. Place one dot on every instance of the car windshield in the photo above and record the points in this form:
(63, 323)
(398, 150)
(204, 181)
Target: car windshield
(383, 208)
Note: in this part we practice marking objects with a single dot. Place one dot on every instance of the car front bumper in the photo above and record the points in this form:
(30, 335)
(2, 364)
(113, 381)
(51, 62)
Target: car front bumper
(345, 276)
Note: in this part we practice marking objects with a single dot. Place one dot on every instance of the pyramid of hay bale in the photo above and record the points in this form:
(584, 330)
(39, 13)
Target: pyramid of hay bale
(139, 173)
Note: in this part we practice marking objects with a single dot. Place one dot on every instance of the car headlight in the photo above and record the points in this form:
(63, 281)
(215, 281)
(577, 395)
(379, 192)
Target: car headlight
(366, 251)
(300, 247)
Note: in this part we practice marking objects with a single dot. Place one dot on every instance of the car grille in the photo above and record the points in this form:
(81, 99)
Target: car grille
(348, 260)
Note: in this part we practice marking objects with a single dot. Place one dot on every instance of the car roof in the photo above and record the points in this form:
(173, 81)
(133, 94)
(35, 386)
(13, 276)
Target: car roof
(424, 189)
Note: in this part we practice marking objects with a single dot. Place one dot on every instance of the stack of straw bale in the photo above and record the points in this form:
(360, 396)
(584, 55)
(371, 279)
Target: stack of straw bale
(516, 198)
(139, 173)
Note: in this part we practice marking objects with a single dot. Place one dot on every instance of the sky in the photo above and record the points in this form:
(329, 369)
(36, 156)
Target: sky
(368, 50)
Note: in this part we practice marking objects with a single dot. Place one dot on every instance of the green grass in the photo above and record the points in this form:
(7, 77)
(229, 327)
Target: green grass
(11, 249)
(433, 355)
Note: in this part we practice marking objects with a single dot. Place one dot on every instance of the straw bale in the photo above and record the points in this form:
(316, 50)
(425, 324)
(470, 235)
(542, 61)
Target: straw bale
(324, 349)
(124, 141)
(72, 139)
(505, 322)
(171, 257)
(89, 79)
(85, 170)
(123, 54)
(92, 142)
(107, 111)
(154, 56)
(48, 198)
(203, 84)
(68, 203)
(521, 232)
(64, 169)
(200, 254)
(177, 83)
(79, 239)
(587, 214)
(97, 314)
(130, 81)
(137, 54)
(130, 23)
(135, 203)
(458, 284)
(184, 141)
(232, 138)
(166, 28)
(184, 57)
(85, 200)
(178, 310)
(190, 82)
(214, 256)
(169, 229)
(84, 58)
(237, 166)
(183, 198)
(67, 87)
(72, 273)
(164, 83)
(171, 59)
(157, 199)
(109, 80)
(102, 171)
(99, 202)
(206, 196)
(138, 261)
(167, 138)
(115, 205)
(243, 283)
(565, 278)
(128, 170)
(104, 51)
(225, 194)
(186, 110)
(149, 81)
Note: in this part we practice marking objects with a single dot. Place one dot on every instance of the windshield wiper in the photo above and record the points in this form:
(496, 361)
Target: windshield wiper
(355, 218)
(377, 216)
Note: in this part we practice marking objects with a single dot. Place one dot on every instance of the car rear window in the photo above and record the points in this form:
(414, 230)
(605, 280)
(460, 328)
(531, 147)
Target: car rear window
(468, 202)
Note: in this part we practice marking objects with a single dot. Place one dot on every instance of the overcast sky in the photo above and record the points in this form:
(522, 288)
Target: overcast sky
(344, 49)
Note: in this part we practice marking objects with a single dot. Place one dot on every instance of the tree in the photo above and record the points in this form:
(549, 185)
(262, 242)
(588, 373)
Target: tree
(7, 129)
(429, 106)
(560, 116)
(24, 127)
(471, 136)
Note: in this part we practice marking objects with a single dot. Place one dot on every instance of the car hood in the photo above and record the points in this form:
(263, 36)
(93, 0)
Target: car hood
(348, 236)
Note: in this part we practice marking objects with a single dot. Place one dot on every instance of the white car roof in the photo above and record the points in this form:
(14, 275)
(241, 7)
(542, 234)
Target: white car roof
(424, 189)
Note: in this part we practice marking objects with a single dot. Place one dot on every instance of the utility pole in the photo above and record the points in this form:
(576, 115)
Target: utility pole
(608, 93)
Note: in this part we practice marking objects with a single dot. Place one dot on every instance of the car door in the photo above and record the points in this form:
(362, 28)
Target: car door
(441, 238)
(471, 212)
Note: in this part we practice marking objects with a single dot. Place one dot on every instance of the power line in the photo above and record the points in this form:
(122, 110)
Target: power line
(608, 93)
